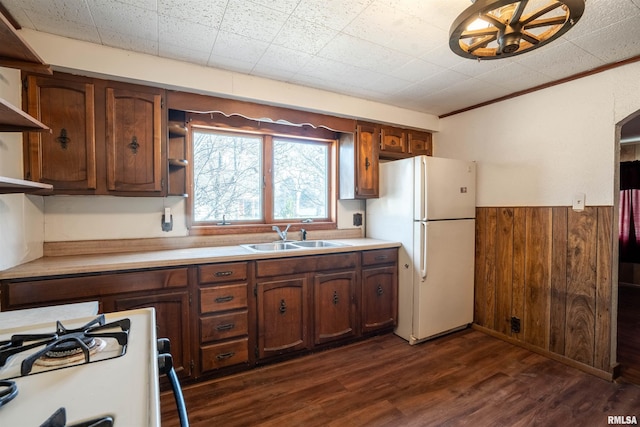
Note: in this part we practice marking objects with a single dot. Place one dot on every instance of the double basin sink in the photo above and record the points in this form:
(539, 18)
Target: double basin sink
(292, 245)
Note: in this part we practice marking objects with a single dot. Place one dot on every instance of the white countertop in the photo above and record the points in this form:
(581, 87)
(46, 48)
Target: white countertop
(31, 316)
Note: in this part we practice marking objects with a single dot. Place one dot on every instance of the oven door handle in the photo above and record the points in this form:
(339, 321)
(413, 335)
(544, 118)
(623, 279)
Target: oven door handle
(165, 366)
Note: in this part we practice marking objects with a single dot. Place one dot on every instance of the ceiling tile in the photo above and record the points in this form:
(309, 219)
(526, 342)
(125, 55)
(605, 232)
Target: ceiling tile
(124, 18)
(559, 59)
(128, 42)
(599, 14)
(234, 46)
(608, 45)
(285, 6)
(60, 10)
(334, 14)
(193, 36)
(204, 12)
(416, 70)
(281, 58)
(406, 33)
(304, 36)
(252, 20)
(364, 54)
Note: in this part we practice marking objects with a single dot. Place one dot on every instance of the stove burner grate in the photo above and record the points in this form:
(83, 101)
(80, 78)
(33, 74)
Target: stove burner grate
(65, 342)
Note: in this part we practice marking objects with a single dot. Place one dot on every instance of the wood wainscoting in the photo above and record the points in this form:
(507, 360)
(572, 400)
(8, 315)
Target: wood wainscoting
(551, 269)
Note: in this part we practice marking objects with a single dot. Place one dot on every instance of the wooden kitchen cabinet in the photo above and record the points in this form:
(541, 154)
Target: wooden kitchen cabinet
(398, 143)
(420, 143)
(134, 139)
(359, 162)
(287, 307)
(172, 319)
(393, 140)
(379, 290)
(283, 318)
(66, 157)
(223, 319)
(334, 306)
(166, 290)
(107, 137)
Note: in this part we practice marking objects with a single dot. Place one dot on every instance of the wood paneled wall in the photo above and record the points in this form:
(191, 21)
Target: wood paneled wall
(551, 268)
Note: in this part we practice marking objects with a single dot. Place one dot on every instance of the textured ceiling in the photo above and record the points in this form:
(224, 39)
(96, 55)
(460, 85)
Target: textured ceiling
(391, 51)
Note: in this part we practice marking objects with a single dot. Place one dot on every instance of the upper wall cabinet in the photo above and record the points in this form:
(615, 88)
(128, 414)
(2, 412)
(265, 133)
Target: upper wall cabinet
(396, 143)
(359, 162)
(134, 140)
(66, 157)
(107, 137)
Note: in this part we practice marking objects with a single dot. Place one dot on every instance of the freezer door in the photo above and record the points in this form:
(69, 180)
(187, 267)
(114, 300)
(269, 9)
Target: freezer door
(443, 277)
(445, 188)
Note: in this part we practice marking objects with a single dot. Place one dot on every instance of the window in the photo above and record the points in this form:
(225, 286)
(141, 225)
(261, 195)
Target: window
(249, 179)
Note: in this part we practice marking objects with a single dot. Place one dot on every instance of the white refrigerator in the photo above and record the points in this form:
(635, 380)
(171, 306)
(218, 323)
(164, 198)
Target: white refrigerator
(428, 204)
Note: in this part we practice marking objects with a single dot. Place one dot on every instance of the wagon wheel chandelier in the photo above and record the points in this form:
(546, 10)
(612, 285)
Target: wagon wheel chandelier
(493, 29)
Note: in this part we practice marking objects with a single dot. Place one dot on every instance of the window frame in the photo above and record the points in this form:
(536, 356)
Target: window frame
(268, 131)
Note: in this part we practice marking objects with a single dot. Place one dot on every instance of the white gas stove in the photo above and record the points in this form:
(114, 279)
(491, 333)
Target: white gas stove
(119, 381)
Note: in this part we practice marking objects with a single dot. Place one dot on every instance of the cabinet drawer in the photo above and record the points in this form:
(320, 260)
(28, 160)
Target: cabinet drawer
(278, 267)
(221, 298)
(226, 354)
(223, 326)
(380, 256)
(219, 273)
(88, 287)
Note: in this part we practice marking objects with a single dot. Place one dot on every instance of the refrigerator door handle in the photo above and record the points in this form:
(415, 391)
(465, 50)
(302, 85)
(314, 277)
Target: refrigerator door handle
(422, 196)
(423, 249)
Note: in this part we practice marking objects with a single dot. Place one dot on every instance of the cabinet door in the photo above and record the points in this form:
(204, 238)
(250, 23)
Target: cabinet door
(334, 306)
(282, 316)
(172, 318)
(66, 157)
(379, 298)
(420, 143)
(367, 160)
(393, 140)
(134, 140)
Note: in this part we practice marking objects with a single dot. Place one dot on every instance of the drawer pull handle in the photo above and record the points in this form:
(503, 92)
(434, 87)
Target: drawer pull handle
(224, 299)
(225, 327)
(223, 273)
(223, 356)
(381, 257)
(336, 299)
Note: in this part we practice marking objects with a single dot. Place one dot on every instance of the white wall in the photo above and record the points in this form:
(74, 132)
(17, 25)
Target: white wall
(542, 148)
(21, 217)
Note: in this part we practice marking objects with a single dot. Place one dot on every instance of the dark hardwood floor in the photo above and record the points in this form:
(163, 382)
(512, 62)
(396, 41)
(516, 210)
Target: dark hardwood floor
(467, 378)
(629, 332)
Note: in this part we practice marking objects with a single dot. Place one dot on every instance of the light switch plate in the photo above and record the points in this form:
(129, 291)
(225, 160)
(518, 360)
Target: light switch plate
(578, 202)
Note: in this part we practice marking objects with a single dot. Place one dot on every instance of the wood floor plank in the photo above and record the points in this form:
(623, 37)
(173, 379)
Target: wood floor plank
(466, 378)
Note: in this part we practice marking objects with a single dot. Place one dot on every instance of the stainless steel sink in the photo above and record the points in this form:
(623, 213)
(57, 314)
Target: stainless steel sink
(317, 244)
(271, 247)
(290, 246)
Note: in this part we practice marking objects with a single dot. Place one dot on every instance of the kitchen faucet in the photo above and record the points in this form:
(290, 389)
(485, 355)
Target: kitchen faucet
(282, 234)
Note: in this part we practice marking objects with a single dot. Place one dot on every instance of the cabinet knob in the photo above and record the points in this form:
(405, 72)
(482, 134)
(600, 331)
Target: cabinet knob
(379, 291)
(367, 163)
(134, 145)
(63, 139)
(336, 299)
(283, 307)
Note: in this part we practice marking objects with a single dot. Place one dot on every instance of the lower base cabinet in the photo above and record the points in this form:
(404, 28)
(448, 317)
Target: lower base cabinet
(334, 306)
(282, 309)
(231, 316)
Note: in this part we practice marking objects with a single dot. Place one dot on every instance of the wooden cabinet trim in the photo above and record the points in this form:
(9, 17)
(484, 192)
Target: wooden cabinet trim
(32, 292)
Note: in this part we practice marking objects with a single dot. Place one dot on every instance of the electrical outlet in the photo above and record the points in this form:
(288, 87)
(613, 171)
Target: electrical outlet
(357, 219)
(515, 325)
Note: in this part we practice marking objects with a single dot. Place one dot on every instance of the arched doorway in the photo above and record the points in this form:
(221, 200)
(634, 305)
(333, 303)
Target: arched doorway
(628, 320)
